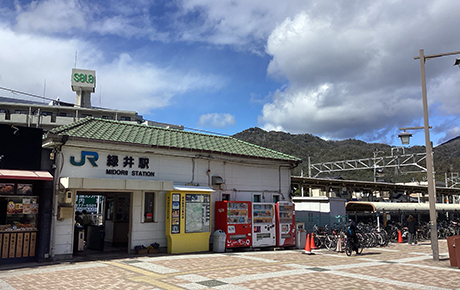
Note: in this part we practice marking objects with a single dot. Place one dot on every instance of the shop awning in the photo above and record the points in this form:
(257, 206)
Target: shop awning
(25, 174)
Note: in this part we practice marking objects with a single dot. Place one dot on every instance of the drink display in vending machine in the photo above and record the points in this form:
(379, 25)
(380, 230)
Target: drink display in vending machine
(263, 225)
(234, 218)
(285, 224)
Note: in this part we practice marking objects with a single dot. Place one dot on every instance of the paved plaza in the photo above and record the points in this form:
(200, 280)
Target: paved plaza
(397, 266)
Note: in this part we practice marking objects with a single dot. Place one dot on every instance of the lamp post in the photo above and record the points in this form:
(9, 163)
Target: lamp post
(429, 157)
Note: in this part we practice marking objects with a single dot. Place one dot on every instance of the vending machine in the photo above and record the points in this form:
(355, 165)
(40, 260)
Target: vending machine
(234, 218)
(285, 224)
(263, 225)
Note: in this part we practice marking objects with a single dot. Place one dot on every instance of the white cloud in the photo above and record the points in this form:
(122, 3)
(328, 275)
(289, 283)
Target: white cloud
(353, 74)
(28, 61)
(216, 120)
(239, 23)
(50, 16)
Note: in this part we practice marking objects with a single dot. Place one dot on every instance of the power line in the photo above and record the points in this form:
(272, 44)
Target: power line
(27, 94)
(210, 132)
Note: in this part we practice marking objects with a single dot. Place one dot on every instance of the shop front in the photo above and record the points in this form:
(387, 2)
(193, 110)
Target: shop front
(22, 220)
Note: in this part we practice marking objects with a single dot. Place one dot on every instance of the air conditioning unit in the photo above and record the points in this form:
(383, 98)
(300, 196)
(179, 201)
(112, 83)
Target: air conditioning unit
(217, 180)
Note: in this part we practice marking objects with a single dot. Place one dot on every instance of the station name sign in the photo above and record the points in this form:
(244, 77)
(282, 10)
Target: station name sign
(123, 165)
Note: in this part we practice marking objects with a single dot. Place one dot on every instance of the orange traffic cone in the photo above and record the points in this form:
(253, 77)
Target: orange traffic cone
(399, 237)
(307, 246)
(313, 246)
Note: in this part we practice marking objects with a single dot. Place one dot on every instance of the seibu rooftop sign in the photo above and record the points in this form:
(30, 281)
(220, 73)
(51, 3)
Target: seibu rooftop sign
(83, 79)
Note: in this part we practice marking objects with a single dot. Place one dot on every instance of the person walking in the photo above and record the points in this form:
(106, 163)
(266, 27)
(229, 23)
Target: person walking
(352, 237)
(412, 228)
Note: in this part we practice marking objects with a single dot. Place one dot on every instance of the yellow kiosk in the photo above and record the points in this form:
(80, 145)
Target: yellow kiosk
(188, 221)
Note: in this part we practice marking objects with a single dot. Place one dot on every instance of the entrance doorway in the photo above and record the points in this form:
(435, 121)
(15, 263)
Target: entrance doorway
(106, 221)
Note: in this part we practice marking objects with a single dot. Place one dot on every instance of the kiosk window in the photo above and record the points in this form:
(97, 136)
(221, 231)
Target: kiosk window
(149, 203)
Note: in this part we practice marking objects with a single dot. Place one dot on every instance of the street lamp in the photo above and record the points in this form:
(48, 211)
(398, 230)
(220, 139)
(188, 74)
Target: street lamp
(405, 137)
(429, 156)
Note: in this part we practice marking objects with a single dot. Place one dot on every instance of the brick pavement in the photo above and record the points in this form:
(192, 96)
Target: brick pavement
(398, 266)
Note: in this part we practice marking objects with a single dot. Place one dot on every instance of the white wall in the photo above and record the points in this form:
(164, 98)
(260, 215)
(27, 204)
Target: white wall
(242, 179)
(150, 232)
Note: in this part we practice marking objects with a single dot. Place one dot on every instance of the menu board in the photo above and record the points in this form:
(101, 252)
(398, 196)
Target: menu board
(6, 188)
(175, 214)
(24, 188)
(197, 213)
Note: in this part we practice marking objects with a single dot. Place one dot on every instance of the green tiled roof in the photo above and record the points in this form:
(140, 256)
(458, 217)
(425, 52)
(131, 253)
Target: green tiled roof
(115, 131)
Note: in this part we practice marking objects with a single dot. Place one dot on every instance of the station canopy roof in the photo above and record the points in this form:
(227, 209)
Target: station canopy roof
(361, 206)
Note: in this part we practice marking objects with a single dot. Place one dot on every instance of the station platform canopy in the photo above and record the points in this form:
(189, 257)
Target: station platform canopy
(360, 206)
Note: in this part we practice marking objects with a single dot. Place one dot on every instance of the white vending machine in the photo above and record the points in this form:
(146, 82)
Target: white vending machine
(263, 225)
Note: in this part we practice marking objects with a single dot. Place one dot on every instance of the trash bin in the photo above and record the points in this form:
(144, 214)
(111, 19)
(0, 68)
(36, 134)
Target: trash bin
(300, 239)
(96, 236)
(218, 242)
(79, 239)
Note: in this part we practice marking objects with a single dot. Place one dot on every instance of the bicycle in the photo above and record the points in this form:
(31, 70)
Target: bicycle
(349, 247)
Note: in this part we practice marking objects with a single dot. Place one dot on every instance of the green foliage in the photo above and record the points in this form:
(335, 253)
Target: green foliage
(305, 146)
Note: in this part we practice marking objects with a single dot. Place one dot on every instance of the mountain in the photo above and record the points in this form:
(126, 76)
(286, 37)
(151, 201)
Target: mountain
(307, 146)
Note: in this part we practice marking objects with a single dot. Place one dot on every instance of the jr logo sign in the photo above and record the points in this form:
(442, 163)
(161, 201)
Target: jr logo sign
(91, 156)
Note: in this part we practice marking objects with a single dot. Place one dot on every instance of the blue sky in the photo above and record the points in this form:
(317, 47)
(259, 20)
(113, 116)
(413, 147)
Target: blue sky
(334, 69)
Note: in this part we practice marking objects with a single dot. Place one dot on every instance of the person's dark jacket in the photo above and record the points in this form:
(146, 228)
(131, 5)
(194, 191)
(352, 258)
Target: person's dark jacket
(412, 226)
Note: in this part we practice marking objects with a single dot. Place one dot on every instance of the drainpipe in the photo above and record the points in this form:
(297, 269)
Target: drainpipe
(55, 199)
(279, 182)
(58, 164)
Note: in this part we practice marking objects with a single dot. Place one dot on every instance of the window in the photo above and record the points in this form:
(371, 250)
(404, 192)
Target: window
(86, 115)
(149, 203)
(24, 112)
(225, 196)
(276, 198)
(256, 198)
(124, 118)
(107, 117)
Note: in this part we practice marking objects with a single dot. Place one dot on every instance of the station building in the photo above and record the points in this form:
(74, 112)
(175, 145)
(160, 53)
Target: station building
(139, 170)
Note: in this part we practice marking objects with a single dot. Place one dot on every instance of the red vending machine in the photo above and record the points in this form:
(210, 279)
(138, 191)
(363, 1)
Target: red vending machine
(285, 224)
(234, 218)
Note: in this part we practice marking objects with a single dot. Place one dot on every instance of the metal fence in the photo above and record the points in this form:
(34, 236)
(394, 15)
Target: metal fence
(310, 219)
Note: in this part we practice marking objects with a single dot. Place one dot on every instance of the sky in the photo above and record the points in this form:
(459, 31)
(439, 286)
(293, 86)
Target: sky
(333, 69)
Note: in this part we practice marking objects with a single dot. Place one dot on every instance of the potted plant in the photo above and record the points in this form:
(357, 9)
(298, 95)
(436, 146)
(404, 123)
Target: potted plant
(141, 250)
(153, 248)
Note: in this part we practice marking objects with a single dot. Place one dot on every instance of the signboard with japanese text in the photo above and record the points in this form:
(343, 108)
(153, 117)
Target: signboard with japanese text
(90, 163)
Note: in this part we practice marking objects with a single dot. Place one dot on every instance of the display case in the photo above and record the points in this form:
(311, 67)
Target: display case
(18, 208)
(18, 220)
(197, 213)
